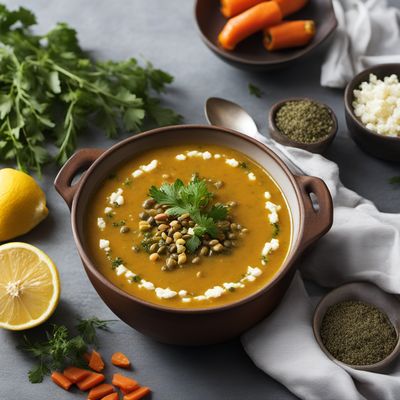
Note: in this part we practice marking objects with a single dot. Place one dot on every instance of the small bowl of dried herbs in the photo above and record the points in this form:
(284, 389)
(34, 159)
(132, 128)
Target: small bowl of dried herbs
(358, 325)
(303, 123)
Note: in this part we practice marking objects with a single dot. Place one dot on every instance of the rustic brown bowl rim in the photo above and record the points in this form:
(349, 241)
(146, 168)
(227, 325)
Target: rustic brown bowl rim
(300, 53)
(317, 313)
(276, 107)
(206, 310)
(348, 99)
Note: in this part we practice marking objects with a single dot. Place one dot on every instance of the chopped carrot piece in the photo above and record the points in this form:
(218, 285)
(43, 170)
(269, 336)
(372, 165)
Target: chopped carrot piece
(137, 394)
(123, 391)
(96, 363)
(230, 8)
(291, 6)
(61, 380)
(289, 34)
(120, 360)
(75, 374)
(100, 391)
(251, 21)
(91, 381)
(124, 383)
(112, 396)
(86, 357)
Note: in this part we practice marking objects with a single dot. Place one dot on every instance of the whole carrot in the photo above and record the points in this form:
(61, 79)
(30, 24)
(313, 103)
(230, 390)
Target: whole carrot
(289, 34)
(230, 8)
(251, 21)
(290, 6)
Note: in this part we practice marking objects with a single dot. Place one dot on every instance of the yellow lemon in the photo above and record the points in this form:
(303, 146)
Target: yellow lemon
(29, 286)
(22, 203)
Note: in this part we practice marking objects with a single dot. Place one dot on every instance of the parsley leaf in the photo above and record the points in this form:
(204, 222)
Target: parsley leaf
(192, 244)
(255, 90)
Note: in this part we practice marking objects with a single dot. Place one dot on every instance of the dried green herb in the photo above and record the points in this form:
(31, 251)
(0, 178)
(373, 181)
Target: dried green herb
(255, 90)
(357, 333)
(304, 121)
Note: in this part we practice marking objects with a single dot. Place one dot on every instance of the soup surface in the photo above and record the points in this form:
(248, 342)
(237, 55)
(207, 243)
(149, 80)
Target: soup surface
(242, 227)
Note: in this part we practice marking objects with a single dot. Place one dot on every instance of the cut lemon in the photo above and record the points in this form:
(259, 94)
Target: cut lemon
(29, 286)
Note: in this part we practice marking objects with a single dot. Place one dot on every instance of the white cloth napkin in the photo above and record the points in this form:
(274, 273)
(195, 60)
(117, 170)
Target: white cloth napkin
(368, 33)
(363, 244)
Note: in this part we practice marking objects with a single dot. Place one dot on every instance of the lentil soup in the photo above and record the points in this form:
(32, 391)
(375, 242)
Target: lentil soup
(189, 226)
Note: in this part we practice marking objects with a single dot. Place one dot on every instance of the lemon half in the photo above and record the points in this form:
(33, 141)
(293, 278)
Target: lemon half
(29, 286)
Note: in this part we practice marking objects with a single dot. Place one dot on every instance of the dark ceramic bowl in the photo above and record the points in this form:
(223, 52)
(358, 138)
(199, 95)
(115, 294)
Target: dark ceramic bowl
(251, 54)
(367, 293)
(207, 325)
(317, 147)
(384, 147)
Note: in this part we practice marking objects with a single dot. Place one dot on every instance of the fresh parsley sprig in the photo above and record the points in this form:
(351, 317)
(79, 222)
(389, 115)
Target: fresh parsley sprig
(193, 199)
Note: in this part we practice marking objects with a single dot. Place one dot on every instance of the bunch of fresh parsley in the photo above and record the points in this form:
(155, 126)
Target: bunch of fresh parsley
(193, 199)
(61, 348)
(50, 92)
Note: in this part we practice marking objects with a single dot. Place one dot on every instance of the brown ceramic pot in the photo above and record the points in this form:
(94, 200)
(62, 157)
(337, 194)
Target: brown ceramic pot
(208, 325)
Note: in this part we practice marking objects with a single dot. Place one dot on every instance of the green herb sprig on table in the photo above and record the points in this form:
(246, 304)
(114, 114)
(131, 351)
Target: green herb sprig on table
(255, 90)
(50, 91)
(395, 181)
(61, 348)
(193, 199)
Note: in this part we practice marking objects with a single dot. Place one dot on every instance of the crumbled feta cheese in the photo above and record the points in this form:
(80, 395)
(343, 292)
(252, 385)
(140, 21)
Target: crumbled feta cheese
(232, 162)
(254, 271)
(207, 155)
(107, 210)
(270, 246)
(137, 173)
(267, 195)
(214, 292)
(149, 167)
(104, 244)
(120, 270)
(186, 299)
(165, 293)
(250, 278)
(274, 244)
(147, 285)
(273, 218)
(194, 153)
(129, 274)
(190, 231)
(232, 285)
(217, 156)
(251, 176)
(101, 223)
(200, 298)
(182, 293)
(272, 207)
(377, 105)
(181, 157)
(117, 198)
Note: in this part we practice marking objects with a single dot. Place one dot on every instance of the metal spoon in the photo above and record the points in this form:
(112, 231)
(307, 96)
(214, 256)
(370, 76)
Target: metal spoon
(225, 113)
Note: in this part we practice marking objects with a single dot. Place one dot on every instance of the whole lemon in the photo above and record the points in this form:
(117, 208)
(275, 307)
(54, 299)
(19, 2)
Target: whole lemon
(22, 203)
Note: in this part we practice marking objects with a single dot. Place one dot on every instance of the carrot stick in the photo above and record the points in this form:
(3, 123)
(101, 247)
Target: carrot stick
(231, 8)
(289, 34)
(112, 396)
(100, 391)
(96, 363)
(137, 394)
(124, 383)
(290, 6)
(91, 381)
(75, 374)
(60, 380)
(120, 360)
(251, 21)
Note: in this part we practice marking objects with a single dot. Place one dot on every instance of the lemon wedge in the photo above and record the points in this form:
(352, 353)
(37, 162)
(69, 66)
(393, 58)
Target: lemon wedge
(22, 203)
(29, 286)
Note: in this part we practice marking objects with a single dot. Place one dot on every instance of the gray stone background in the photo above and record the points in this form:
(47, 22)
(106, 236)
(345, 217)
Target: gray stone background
(165, 33)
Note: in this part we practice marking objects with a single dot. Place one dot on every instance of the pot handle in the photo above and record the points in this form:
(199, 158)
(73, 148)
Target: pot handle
(78, 162)
(318, 208)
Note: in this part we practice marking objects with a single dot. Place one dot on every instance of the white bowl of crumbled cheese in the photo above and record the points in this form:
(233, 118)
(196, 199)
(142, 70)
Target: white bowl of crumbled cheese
(372, 105)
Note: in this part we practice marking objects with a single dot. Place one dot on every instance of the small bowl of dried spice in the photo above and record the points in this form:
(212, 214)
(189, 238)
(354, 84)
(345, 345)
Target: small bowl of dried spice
(358, 325)
(303, 123)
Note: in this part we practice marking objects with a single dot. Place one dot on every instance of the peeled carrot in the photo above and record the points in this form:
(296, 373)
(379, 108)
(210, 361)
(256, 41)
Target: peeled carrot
(112, 396)
(137, 394)
(290, 6)
(96, 363)
(60, 380)
(75, 374)
(100, 391)
(91, 381)
(230, 8)
(251, 21)
(124, 383)
(289, 34)
(120, 360)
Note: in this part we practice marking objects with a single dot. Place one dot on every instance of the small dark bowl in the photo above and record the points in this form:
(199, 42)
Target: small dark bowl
(367, 293)
(316, 147)
(251, 54)
(384, 147)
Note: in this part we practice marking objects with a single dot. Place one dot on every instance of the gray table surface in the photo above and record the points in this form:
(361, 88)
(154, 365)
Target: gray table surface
(165, 33)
